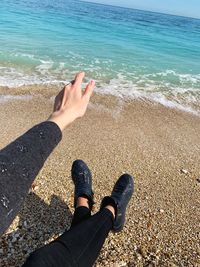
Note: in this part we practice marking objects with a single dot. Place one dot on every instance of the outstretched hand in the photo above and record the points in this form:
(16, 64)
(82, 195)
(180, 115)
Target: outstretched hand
(71, 102)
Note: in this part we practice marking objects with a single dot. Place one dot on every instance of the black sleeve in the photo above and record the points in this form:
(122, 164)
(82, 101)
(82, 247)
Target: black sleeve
(20, 162)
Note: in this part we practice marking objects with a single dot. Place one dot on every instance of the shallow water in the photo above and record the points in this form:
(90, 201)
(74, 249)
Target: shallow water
(128, 52)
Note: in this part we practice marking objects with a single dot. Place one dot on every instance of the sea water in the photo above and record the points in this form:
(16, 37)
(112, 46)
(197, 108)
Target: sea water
(130, 53)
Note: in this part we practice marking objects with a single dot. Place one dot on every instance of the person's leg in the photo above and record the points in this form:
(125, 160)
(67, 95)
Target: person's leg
(82, 211)
(85, 240)
(51, 255)
(81, 245)
(78, 247)
(55, 253)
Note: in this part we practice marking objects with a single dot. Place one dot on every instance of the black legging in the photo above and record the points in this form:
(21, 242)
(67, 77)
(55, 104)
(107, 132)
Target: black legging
(79, 246)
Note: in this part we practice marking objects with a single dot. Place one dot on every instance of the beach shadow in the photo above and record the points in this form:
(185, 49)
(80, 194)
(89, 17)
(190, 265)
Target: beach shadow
(39, 223)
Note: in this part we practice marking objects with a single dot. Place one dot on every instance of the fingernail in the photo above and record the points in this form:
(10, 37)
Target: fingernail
(92, 82)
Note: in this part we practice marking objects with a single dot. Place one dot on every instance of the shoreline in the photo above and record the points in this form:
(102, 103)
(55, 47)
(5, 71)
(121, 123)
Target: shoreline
(157, 145)
(50, 91)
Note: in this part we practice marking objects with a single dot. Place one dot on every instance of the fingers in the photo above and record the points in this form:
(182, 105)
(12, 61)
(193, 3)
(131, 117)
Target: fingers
(79, 79)
(61, 97)
(89, 89)
(65, 93)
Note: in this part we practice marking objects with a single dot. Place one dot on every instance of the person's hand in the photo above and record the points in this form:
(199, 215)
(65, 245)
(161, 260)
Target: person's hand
(71, 102)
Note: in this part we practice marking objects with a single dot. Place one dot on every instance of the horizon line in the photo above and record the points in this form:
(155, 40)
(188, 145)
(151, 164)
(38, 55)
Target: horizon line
(145, 10)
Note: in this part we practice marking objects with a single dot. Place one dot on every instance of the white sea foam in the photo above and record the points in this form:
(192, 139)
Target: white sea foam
(161, 99)
(173, 97)
(13, 78)
(6, 98)
(182, 97)
(183, 78)
(25, 55)
(45, 66)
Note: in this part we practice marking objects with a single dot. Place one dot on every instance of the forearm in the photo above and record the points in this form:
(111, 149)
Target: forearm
(20, 163)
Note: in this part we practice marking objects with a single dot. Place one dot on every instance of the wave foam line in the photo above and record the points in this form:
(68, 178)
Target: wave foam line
(7, 98)
(180, 98)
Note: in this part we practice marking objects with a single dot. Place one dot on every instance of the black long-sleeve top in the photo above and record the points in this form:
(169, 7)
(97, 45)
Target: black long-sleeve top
(20, 162)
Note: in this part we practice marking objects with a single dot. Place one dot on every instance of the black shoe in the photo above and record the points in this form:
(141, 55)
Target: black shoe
(121, 194)
(82, 178)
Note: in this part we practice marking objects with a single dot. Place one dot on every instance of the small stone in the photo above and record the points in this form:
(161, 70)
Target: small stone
(17, 235)
(161, 211)
(149, 225)
(184, 171)
(34, 187)
(143, 252)
(14, 239)
(139, 257)
(171, 264)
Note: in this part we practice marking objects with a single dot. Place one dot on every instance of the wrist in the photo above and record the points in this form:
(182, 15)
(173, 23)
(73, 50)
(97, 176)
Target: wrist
(61, 118)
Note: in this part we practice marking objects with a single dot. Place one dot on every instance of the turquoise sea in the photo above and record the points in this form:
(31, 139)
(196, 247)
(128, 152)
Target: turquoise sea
(130, 53)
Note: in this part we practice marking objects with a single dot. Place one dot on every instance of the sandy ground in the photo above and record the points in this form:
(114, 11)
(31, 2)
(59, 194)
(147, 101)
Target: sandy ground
(160, 147)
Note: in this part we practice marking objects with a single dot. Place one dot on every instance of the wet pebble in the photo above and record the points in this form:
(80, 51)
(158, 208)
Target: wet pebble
(184, 171)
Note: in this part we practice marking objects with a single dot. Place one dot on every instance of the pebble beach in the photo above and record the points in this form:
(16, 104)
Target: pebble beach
(159, 146)
(143, 119)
